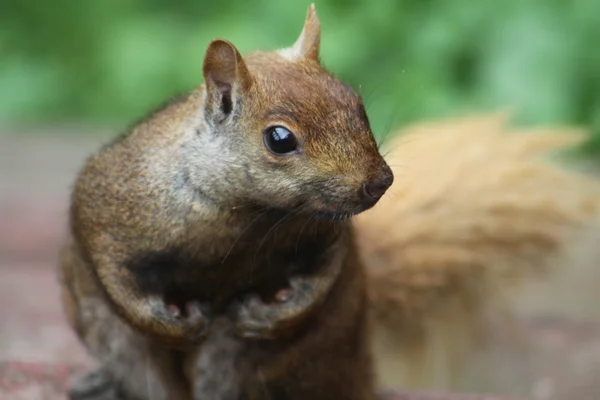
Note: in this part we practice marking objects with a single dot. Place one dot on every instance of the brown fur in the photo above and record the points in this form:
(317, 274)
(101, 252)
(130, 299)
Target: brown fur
(476, 208)
(191, 209)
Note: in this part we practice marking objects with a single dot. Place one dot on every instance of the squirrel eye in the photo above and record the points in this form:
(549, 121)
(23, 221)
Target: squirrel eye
(280, 140)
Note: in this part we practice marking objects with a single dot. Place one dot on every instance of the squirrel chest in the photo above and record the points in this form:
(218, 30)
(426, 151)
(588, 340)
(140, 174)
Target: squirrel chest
(255, 262)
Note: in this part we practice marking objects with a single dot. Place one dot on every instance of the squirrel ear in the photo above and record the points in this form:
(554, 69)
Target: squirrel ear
(308, 43)
(226, 76)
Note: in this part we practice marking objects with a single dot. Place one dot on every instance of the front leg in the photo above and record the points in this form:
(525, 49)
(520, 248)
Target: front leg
(153, 317)
(256, 319)
(149, 314)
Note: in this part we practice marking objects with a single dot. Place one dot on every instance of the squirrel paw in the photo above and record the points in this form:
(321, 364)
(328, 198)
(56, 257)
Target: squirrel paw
(192, 324)
(255, 319)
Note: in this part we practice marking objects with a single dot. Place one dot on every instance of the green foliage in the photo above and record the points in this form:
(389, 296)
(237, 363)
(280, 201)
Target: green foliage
(109, 61)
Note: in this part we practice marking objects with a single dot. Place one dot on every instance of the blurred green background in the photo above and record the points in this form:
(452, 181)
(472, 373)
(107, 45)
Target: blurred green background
(106, 63)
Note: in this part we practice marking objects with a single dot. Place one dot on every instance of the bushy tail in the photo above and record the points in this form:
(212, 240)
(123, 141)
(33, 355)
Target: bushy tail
(474, 210)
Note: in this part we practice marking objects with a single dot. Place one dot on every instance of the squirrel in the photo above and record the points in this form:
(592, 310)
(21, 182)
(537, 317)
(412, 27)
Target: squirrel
(211, 253)
(473, 209)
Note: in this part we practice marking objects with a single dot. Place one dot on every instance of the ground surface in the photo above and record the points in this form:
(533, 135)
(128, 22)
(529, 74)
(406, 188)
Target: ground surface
(553, 359)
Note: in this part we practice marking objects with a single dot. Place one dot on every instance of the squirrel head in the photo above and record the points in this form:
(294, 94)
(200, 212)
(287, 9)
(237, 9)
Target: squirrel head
(282, 131)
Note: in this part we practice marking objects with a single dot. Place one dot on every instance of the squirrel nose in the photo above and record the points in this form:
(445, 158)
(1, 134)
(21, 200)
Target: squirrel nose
(375, 188)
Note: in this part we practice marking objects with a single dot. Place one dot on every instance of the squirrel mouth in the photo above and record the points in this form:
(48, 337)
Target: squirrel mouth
(332, 213)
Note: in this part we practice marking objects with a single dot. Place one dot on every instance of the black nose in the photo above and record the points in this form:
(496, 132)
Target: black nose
(375, 188)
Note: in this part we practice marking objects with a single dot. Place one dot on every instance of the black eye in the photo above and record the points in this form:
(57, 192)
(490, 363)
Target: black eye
(280, 140)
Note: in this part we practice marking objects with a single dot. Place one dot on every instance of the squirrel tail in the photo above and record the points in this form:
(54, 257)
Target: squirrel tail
(473, 212)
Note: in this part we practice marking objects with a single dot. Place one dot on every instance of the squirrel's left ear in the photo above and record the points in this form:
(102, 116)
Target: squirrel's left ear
(226, 76)
(308, 43)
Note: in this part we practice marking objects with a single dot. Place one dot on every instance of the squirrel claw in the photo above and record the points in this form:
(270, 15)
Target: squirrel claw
(192, 325)
(174, 310)
(283, 295)
(194, 312)
(255, 319)
(252, 322)
(196, 318)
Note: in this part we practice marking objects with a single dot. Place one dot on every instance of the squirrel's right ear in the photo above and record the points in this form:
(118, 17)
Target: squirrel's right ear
(226, 77)
(308, 43)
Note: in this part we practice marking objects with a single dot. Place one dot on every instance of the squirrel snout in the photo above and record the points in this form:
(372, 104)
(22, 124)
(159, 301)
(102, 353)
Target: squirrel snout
(373, 189)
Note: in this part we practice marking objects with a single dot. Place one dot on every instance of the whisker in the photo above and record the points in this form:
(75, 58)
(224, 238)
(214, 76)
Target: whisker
(397, 145)
(389, 124)
(265, 210)
(302, 229)
(287, 216)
